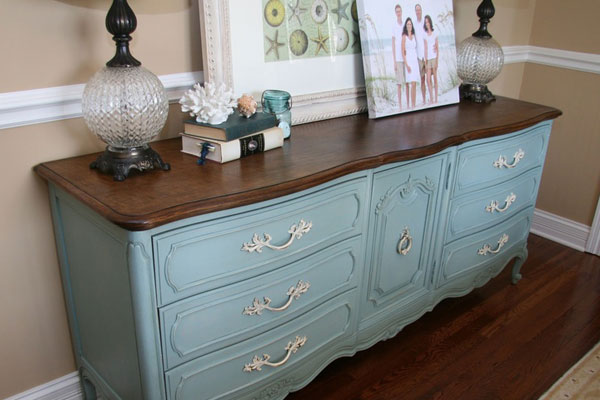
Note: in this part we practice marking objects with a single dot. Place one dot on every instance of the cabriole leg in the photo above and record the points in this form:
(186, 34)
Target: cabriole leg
(516, 270)
(89, 390)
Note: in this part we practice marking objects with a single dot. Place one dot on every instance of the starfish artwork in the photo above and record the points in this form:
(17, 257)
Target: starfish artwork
(302, 29)
(356, 42)
(340, 11)
(296, 11)
(321, 41)
(274, 45)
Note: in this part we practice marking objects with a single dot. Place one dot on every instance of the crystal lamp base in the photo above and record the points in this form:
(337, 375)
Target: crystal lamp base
(475, 92)
(119, 162)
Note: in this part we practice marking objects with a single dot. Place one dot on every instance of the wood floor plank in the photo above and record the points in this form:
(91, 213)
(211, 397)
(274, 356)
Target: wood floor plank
(501, 341)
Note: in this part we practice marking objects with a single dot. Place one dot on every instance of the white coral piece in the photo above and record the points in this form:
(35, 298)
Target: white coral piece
(210, 104)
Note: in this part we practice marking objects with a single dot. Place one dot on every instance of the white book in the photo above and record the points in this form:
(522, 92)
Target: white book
(222, 152)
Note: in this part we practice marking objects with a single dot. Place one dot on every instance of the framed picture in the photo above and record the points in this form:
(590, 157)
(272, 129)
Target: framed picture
(409, 55)
(309, 48)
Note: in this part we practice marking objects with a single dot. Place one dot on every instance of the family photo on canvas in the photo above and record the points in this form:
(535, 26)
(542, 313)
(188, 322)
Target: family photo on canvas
(409, 55)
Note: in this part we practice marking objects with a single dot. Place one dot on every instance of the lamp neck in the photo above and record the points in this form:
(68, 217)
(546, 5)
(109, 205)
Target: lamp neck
(485, 12)
(121, 22)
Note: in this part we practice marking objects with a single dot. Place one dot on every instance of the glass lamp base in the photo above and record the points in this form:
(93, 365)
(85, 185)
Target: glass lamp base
(476, 93)
(119, 162)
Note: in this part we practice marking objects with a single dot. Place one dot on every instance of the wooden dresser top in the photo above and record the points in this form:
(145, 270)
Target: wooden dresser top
(316, 153)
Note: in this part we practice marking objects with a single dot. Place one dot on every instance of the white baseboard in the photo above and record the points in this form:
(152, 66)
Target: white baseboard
(593, 244)
(560, 230)
(63, 388)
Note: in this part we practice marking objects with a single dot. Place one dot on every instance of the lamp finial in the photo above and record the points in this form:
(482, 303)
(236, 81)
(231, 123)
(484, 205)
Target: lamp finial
(121, 22)
(485, 12)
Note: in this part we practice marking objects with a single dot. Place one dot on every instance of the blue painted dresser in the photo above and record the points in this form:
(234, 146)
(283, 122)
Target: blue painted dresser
(244, 280)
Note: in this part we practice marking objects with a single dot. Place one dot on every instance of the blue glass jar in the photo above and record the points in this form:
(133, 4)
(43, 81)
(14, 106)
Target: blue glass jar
(279, 103)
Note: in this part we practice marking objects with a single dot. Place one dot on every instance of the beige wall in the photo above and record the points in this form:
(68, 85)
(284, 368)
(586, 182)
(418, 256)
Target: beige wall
(510, 26)
(571, 181)
(62, 42)
(568, 25)
(46, 44)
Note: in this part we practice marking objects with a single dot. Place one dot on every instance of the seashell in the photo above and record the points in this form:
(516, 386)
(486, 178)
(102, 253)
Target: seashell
(247, 105)
(210, 104)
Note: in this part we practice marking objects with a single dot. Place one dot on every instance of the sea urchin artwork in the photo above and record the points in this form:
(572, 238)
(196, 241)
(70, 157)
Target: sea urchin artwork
(299, 29)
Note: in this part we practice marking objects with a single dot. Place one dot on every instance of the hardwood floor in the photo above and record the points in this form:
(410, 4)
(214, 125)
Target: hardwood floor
(501, 341)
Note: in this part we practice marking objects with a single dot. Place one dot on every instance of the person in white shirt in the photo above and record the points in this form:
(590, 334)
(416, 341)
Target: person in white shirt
(419, 26)
(411, 62)
(431, 59)
(397, 54)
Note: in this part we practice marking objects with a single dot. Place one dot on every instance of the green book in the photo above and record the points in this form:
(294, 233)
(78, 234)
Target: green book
(235, 127)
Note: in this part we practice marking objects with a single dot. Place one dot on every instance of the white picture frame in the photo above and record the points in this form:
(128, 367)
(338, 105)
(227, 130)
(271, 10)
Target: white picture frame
(233, 53)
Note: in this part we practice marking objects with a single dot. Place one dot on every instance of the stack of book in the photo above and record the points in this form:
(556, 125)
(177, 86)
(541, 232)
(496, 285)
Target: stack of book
(237, 137)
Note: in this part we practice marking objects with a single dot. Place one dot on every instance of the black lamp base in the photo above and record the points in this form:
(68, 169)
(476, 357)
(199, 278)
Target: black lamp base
(476, 93)
(120, 162)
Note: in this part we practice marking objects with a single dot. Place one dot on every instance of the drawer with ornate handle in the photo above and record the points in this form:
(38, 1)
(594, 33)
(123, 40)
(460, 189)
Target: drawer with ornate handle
(249, 244)
(249, 308)
(479, 210)
(480, 166)
(243, 369)
(463, 257)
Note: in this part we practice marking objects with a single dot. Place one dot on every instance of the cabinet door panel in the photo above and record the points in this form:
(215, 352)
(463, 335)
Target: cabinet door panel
(402, 220)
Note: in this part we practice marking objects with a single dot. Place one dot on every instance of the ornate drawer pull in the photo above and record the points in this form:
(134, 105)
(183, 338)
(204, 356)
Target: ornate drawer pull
(296, 231)
(405, 239)
(501, 162)
(294, 293)
(488, 249)
(257, 362)
(511, 198)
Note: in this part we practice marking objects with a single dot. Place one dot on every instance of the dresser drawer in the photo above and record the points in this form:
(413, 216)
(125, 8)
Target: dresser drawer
(487, 164)
(216, 253)
(236, 371)
(466, 256)
(484, 208)
(188, 329)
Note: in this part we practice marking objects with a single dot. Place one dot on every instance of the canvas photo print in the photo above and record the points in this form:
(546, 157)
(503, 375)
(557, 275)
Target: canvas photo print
(409, 55)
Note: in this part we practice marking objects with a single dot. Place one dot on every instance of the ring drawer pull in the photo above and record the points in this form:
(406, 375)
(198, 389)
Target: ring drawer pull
(257, 362)
(488, 249)
(494, 206)
(296, 231)
(294, 293)
(501, 162)
(405, 239)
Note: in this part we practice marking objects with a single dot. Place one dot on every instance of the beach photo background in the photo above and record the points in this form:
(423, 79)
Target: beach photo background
(376, 20)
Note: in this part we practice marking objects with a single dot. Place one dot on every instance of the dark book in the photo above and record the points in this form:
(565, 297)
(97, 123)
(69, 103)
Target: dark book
(235, 127)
